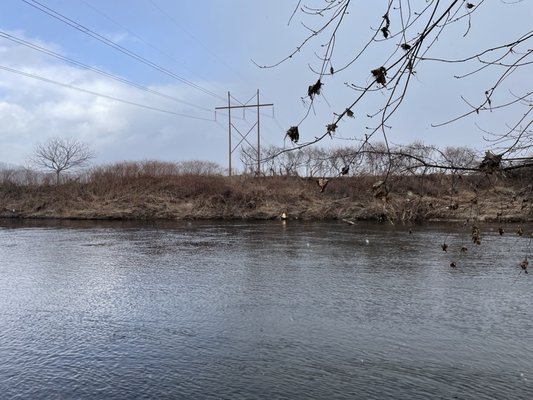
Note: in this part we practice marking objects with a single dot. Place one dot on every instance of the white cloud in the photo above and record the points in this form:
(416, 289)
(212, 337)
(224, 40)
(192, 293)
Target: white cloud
(32, 110)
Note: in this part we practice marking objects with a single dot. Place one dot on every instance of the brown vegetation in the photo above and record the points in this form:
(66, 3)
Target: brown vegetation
(158, 190)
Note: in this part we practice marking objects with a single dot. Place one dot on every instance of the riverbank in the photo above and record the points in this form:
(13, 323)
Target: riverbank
(436, 197)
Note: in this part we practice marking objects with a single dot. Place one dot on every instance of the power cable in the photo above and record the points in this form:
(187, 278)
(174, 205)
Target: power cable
(176, 22)
(94, 69)
(105, 96)
(137, 36)
(41, 7)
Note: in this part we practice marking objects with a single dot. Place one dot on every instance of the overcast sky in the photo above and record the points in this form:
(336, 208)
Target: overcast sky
(206, 48)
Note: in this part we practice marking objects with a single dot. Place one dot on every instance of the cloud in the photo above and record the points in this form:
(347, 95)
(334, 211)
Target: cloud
(32, 110)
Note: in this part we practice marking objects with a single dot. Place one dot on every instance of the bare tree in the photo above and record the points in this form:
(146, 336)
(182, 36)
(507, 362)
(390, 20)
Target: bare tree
(248, 159)
(199, 167)
(462, 157)
(409, 36)
(59, 155)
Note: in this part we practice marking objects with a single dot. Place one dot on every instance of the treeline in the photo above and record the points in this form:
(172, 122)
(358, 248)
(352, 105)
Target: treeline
(371, 159)
(123, 170)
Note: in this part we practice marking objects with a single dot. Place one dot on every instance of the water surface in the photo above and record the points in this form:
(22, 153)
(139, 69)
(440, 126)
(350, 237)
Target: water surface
(267, 310)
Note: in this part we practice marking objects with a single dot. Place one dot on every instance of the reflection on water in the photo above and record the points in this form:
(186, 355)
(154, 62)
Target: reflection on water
(262, 310)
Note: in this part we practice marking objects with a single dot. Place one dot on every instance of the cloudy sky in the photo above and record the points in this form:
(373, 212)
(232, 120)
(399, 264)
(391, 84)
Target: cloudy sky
(178, 59)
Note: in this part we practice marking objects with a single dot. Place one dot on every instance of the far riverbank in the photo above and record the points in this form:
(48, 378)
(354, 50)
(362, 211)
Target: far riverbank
(437, 197)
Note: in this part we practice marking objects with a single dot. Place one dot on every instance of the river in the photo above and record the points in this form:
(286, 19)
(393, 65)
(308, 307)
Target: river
(263, 310)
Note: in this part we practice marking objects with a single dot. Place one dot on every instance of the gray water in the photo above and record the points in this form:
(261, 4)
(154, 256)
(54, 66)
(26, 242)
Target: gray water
(262, 311)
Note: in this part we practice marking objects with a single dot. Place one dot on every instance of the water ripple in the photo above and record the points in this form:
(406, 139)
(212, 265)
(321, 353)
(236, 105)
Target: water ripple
(262, 311)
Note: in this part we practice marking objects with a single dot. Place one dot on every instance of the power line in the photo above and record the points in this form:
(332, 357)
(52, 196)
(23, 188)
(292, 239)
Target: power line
(105, 96)
(137, 36)
(176, 22)
(94, 69)
(41, 7)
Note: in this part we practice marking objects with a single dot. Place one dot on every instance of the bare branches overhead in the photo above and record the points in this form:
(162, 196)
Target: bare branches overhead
(409, 37)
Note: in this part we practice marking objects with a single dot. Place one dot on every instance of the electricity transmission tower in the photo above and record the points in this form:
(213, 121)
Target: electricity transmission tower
(244, 137)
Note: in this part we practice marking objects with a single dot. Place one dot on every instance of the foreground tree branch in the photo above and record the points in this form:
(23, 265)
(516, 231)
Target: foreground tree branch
(407, 34)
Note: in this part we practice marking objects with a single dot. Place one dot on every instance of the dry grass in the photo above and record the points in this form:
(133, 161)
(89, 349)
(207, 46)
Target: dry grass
(153, 190)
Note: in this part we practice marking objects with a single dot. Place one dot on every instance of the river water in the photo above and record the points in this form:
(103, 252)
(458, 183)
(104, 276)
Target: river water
(266, 310)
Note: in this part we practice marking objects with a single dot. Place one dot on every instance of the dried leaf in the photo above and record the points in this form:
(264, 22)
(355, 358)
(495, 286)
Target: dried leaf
(405, 46)
(470, 5)
(314, 89)
(349, 113)
(345, 170)
(385, 29)
(380, 75)
(293, 134)
(387, 21)
(331, 128)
